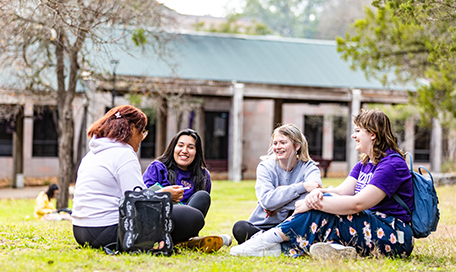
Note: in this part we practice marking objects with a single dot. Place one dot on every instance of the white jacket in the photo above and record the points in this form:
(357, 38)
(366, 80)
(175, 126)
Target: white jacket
(105, 173)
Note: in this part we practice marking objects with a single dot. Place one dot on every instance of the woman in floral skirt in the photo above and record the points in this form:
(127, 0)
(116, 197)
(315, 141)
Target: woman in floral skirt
(358, 217)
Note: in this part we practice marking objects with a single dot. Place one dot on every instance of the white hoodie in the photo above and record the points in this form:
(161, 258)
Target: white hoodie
(105, 173)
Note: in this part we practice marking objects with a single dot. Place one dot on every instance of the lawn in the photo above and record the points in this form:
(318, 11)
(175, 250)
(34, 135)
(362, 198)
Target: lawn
(30, 245)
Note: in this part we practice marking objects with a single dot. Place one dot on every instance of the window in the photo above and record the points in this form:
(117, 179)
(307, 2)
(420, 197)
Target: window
(45, 137)
(148, 144)
(216, 136)
(339, 138)
(216, 140)
(313, 130)
(422, 144)
(6, 137)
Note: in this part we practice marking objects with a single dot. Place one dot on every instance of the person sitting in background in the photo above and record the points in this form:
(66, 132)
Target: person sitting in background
(44, 208)
(181, 171)
(360, 216)
(284, 176)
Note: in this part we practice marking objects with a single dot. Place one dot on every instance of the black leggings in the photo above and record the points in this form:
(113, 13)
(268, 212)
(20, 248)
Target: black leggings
(188, 220)
(95, 237)
(243, 230)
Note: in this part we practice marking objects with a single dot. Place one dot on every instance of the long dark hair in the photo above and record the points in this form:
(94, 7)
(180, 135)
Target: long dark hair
(376, 122)
(117, 123)
(51, 190)
(198, 165)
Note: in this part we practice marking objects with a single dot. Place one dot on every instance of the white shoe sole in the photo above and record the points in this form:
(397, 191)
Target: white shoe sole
(274, 252)
(325, 251)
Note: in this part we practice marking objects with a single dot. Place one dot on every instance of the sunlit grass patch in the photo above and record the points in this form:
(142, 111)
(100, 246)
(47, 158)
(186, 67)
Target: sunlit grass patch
(30, 245)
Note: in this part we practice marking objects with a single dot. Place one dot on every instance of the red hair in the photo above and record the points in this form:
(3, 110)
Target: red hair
(118, 122)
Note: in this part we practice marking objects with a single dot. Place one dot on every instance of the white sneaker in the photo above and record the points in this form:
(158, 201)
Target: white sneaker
(326, 251)
(256, 246)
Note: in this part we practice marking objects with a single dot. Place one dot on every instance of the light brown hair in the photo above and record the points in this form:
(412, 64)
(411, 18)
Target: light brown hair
(376, 122)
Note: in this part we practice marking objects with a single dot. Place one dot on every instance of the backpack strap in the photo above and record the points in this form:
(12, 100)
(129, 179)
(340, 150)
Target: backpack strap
(402, 203)
(395, 196)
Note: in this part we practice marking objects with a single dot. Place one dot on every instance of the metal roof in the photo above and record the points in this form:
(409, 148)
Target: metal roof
(240, 58)
(253, 59)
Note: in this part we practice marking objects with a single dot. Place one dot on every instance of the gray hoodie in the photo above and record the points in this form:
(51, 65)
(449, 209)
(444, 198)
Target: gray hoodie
(278, 190)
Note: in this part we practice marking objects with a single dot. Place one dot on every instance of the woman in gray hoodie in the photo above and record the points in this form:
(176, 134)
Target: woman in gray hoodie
(284, 176)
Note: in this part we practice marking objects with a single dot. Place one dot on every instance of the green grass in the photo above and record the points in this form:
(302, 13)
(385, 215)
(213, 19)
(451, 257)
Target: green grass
(30, 245)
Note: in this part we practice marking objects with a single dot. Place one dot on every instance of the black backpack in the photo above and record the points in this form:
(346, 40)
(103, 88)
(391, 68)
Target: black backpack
(144, 223)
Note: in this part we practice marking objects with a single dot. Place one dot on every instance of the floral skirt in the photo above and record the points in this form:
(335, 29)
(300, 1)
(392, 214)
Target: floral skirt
(371, 233)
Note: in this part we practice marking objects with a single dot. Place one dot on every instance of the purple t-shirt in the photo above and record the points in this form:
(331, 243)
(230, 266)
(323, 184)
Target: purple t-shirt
(391, 175)
(157, 172)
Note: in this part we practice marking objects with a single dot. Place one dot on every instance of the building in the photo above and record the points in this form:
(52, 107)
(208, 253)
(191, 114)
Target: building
(233, 89)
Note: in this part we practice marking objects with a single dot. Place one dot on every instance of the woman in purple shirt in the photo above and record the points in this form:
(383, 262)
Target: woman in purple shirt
(181, 171)
(360, 216)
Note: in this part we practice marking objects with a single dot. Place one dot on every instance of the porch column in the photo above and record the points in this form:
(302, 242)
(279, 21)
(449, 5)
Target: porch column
(436, 145)
(91, 106)
(355, 106)
(328, 137)
(237, 121)
(18, 152)
(27, 134)
(409, 142)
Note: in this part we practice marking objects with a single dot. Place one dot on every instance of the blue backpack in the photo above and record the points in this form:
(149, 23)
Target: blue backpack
(426, 214)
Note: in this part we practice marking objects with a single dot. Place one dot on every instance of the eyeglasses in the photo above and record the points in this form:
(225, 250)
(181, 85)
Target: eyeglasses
(145, 133)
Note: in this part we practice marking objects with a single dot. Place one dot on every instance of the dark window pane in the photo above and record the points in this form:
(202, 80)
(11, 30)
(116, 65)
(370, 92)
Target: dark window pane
(422, 144)
(148, 144)
(6, 138)
(313, 130)
(45, 137)
(339, 138)
(216, 140)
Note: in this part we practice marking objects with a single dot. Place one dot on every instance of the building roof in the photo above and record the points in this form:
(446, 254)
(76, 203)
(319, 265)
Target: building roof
(240, 58)
(253, 59)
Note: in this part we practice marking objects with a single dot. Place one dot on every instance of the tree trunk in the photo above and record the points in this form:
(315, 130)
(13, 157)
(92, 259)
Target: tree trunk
(66, 135)
(65, 124)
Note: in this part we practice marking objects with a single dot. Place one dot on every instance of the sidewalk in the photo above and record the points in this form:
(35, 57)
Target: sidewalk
(26, 192)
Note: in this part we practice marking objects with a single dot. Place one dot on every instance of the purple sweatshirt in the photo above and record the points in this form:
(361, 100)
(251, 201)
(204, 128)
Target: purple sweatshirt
(157, 172)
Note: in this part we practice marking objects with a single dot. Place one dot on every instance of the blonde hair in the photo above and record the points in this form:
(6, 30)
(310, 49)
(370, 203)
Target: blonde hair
(295, 135)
